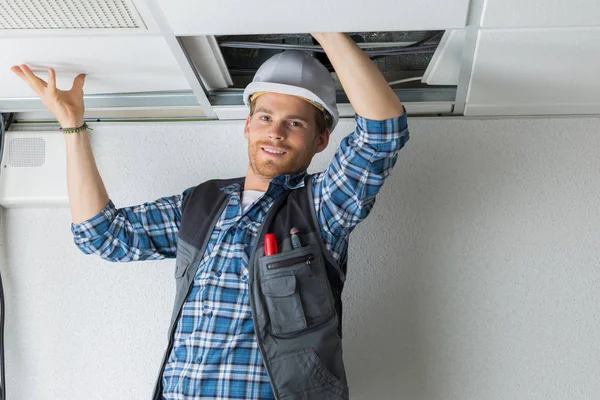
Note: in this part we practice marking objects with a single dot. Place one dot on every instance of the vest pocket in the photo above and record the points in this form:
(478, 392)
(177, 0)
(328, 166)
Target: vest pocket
(302, 375)
(183, 260)
(181, 264)
(284, 305)
(301, 271)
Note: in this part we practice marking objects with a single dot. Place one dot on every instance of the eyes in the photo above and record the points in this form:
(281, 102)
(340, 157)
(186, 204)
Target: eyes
(292, 123)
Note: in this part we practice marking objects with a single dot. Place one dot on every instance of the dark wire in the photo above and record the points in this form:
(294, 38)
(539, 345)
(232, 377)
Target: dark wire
(2, 308)
(415, 47)
(419, 47)
(317, 49)
(426, 40)
(245, 71)
(380, 52)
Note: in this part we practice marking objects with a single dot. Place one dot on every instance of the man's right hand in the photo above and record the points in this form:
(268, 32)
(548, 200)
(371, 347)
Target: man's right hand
(66, 106)
(87, 194)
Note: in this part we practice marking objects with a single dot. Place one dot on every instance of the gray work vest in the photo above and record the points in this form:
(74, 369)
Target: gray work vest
(295, 295)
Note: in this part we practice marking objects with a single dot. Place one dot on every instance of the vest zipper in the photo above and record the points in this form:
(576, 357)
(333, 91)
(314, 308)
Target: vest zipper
(292, 261)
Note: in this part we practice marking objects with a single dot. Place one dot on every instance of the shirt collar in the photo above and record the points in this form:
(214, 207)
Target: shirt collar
(234, 188)
(287, 182)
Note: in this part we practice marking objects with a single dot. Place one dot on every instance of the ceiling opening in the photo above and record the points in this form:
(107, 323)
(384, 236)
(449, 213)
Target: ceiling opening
(398, 55)
(403, 58)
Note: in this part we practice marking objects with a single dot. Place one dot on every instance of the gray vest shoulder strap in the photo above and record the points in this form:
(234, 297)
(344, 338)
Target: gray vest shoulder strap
(200, 207)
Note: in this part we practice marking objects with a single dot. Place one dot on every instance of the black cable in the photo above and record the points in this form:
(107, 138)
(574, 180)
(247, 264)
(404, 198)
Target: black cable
(316, 48)
(426, 40)
(372, 53)
(2, 308)
(416, 46)
(250, 71)
(419, 47)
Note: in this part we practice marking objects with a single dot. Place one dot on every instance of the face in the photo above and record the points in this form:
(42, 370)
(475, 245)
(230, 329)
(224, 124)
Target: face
(282, 135)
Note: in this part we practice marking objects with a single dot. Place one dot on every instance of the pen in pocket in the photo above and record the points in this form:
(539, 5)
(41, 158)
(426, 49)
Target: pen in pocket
(270, 244)
(295, 238)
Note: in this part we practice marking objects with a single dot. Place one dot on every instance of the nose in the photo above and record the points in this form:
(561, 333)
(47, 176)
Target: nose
(275, 136)
(277, 131)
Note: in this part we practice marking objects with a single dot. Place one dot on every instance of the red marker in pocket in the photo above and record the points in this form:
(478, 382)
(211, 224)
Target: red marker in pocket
(270, 244)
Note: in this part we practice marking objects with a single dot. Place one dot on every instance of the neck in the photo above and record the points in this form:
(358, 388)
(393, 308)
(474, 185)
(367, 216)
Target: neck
(256, 182)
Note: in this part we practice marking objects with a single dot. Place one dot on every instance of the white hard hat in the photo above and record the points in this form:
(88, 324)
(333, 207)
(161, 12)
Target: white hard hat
(299, 74)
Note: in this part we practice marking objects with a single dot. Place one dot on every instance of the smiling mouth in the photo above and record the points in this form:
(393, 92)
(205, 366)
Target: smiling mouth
(273, 151)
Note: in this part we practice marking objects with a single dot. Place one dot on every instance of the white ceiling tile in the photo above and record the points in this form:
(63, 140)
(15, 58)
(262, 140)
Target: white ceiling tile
(522, 72)
(292, 16)
(113, 64)
(541, 13)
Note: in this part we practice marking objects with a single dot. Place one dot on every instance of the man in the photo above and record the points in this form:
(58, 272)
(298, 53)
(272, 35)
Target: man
(256, 316)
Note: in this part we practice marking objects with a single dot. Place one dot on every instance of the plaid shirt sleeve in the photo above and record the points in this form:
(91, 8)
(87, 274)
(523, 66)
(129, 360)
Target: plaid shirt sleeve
(345, 193)
(144, 232)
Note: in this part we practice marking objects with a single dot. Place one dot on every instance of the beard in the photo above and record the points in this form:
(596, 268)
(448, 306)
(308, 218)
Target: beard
(292, 162)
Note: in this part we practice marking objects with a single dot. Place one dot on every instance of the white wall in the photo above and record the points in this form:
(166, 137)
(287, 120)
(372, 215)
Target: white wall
(477, 275)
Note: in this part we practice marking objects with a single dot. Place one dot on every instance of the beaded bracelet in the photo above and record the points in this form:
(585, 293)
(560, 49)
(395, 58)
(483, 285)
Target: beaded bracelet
(83, 127)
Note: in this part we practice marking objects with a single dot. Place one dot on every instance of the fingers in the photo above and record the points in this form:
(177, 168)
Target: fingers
(39, 85)
(51, 80)
(23, 71)
(33, 78)
(18, 71)
(78, 82)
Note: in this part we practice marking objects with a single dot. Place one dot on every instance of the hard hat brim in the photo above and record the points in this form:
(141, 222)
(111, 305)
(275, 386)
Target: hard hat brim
(281, 88)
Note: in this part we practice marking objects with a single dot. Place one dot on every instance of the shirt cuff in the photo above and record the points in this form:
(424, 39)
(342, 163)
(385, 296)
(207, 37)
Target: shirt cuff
(376, 132)
(97, 225)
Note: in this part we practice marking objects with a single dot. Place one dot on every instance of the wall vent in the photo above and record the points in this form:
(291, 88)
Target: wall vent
(68, 14)
(26, 152)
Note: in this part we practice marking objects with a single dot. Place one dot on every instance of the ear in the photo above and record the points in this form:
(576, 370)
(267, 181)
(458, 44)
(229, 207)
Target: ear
(247, 126)
(322, 141)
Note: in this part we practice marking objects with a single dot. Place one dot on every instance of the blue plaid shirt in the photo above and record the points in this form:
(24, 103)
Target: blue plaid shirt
(215, 354)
